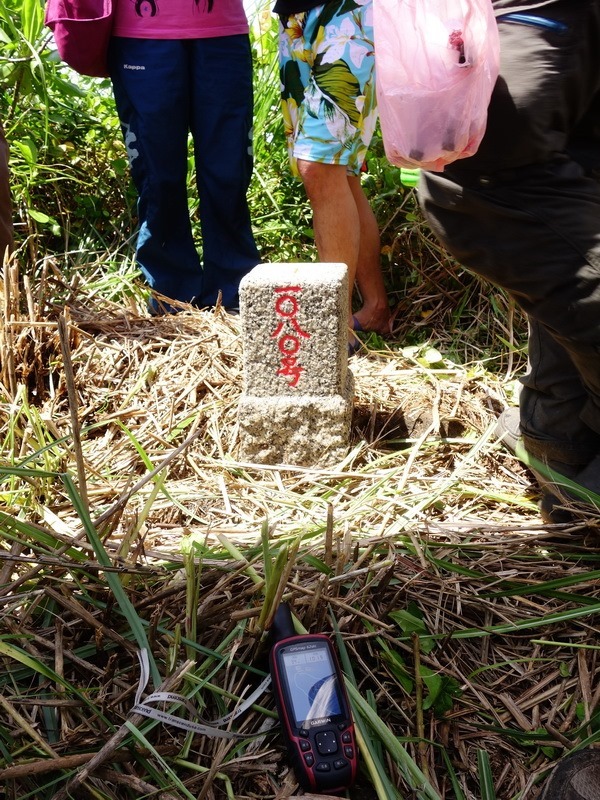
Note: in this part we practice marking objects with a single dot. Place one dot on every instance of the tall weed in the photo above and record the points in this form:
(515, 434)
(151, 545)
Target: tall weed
(68, 172)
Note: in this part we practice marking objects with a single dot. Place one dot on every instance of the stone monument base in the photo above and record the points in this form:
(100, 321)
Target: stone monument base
(297, 402)
(305, 431)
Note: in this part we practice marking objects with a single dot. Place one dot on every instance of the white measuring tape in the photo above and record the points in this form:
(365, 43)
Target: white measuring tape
(216, 727)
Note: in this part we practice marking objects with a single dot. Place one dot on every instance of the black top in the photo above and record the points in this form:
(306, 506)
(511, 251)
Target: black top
(287, 7)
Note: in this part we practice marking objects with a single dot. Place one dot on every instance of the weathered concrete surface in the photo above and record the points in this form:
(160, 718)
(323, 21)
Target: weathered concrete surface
(297, 401)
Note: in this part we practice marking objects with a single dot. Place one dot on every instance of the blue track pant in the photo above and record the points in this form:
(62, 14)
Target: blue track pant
(164, 90)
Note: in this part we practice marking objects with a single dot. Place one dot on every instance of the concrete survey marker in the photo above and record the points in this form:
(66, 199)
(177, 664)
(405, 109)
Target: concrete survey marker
(296, 405)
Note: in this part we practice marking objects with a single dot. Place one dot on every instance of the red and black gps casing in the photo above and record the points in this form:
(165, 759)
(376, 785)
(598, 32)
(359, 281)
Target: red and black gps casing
(314, 712)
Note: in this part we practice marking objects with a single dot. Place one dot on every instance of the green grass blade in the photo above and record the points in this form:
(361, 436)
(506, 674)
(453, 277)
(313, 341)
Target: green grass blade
(17, 654)
(458, 792)
(367, 747)
(412, 773)
(176, 781)
(486, 780)
(112, 578)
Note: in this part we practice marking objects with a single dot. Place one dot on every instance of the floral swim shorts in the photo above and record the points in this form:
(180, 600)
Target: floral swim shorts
(327, 69)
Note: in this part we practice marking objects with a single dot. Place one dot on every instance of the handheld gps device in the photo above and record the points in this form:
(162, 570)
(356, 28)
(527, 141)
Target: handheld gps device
(313, 707)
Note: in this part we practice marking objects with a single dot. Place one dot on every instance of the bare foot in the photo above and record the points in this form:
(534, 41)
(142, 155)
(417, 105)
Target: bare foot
(376, 320)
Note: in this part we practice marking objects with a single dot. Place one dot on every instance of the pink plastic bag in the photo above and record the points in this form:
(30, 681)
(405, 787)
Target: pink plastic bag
(81, 31)
(436, 64)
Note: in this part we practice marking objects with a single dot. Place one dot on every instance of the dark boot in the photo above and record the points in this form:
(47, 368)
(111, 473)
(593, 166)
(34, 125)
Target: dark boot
(559, 501)
(561, 506)
(577, 777)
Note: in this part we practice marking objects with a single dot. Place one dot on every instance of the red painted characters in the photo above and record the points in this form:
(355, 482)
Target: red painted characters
(288, 333)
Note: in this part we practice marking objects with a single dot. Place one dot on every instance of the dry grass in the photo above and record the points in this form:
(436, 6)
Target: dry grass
(495, 646)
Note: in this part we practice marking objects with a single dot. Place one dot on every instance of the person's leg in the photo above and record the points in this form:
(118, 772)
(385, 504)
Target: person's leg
(523, 213)
(6, 223)
(342, 224)
(151, 88)
(551, 401)
(374, 313)
(336, 223)
(221, 120)
(329, 126)
(525, 216)
(509, 235)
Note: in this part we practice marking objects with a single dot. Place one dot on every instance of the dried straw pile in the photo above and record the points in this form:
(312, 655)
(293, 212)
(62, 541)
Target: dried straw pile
(471, 632)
